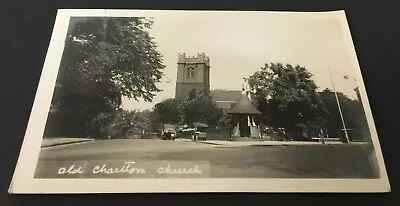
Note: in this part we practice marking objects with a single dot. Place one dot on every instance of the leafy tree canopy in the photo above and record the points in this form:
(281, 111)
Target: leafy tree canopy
(104, 59)
(167, 111)
(353, 115)
(287, 97)
(110, 55)
(127, 124)
(199, 108)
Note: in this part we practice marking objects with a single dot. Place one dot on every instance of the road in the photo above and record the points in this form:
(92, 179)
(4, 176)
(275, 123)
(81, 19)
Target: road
(299, 161)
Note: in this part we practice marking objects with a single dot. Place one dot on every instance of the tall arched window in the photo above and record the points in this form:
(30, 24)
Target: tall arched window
(190, 72)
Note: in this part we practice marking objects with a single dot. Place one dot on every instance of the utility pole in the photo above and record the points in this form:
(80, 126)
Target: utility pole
(340, 109)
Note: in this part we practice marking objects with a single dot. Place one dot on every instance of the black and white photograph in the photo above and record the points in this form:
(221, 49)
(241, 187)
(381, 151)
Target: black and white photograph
(175, 101)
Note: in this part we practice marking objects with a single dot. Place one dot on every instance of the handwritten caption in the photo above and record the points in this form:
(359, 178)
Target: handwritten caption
(121, 169)
(128, 167)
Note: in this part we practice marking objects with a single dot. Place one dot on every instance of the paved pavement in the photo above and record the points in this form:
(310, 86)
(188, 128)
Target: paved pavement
(263, 161)
(261, 143)
(50, 142)
(264, 143)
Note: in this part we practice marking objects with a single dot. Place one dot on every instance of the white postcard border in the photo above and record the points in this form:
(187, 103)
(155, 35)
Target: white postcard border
(23, 181)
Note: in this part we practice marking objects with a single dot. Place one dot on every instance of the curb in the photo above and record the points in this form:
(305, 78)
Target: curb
(65, 143)
(210, 143)
(263, 145)
(280, 144)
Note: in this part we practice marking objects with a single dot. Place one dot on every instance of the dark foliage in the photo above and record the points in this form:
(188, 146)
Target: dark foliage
(103, 60)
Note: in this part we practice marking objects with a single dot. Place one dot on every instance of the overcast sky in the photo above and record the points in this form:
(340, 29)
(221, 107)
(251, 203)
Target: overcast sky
(238, 45)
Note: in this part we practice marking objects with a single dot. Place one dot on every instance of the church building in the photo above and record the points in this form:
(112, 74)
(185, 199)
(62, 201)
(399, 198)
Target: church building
(194, 73)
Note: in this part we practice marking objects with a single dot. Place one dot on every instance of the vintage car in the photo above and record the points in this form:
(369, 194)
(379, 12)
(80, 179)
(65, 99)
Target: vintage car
(168, 132)
(193, 133)
(168, 135)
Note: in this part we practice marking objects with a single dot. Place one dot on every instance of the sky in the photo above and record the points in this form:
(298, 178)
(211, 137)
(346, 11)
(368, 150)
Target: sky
(239, 45)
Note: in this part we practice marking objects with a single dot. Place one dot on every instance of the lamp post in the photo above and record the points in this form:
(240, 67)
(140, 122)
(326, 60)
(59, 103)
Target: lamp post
(339, 107)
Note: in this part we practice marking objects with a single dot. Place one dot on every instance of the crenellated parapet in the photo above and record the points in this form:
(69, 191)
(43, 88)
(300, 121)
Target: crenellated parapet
(201, 58)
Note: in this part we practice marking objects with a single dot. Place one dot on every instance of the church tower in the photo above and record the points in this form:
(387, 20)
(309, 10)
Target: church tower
(193, 73)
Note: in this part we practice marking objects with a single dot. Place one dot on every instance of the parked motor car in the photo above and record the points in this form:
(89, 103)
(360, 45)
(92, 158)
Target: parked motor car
(168, 135)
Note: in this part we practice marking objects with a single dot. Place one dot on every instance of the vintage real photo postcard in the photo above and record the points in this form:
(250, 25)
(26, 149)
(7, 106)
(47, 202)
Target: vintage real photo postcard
(135, 101)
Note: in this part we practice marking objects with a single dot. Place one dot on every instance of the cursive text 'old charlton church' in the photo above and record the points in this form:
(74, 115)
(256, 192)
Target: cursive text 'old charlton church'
(129, 168)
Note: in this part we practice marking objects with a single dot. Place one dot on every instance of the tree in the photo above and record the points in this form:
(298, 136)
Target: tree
(167, 111)
(104, 59)
(226, 120)
(126, 124)
(353, 115)
(287, 97)
(199, 108)
(100, 124)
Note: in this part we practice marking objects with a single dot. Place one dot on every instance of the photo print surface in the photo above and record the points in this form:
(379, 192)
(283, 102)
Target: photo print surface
(184, 96)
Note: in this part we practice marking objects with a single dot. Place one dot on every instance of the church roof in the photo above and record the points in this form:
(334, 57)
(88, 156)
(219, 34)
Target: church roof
(243, 106)
(225, 95)
(225, 105)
